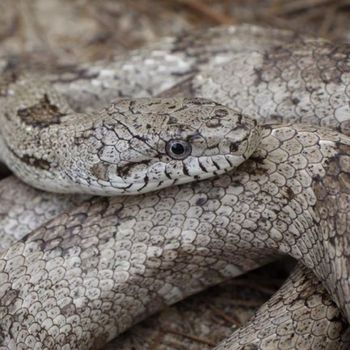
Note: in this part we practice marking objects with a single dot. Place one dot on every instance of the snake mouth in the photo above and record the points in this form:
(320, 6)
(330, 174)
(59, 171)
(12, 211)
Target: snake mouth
(150, 186)
(150, 177)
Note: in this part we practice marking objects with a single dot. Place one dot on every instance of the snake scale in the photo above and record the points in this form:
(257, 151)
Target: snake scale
(104, 263)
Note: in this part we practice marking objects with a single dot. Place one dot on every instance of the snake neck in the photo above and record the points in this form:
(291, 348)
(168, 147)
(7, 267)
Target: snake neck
(297, 195)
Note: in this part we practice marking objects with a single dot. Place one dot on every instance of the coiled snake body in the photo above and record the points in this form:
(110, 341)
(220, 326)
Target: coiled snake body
(90, 273)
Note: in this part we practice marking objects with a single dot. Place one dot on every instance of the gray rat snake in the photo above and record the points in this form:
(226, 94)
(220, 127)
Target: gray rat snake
(90, 273)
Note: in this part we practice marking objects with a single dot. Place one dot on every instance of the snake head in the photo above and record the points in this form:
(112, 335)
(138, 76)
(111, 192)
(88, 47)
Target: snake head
(142, 145)
(132, 146)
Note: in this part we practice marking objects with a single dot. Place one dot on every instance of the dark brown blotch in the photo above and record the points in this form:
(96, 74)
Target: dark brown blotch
(41, 114)
(125, 170)
(99, 170)
(290, 194)
(36, 162)
(234, 146)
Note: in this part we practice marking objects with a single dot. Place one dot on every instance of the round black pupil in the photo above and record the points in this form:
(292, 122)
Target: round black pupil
(177, 148)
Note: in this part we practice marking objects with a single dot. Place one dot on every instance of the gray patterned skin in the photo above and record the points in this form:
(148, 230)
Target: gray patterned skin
(304, 82)
(300, 316)
(88, 275)
(245, 204)
(149, 71)
(132, 146)
(23, 209)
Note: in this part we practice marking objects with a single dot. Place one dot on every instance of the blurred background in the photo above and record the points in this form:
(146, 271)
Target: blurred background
(71, 31)
(75, 30)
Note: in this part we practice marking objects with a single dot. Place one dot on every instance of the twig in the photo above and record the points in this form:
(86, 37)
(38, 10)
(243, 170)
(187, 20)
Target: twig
(269, 290)
(189, 336)
(246, 303)
(233, 320)
(341, 23)
(176, 345)
(205, 10)
(328, 21)
(299, 5)
(157, 341)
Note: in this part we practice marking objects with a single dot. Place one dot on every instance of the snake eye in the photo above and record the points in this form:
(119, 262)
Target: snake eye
(178, 149)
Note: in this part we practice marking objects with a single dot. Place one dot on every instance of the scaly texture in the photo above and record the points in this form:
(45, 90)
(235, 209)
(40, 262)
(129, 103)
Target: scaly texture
(299, 316)
(307, 81)
(132, 146)
(312, 252)
(88, 275)
(23, 209)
